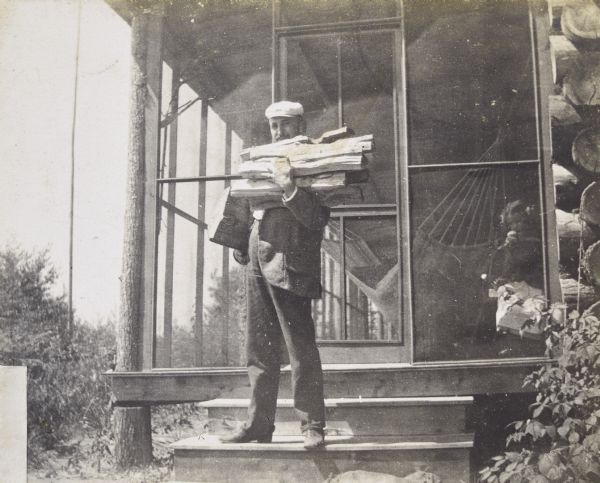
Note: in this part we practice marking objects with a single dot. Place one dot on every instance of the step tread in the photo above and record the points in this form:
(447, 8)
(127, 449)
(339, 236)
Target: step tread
(332, 443)
(351, 402)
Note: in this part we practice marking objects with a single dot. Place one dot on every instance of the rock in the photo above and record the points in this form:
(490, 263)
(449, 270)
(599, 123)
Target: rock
(360, 476)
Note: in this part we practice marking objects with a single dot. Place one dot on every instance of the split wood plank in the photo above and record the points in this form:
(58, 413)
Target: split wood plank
(302, 152)
(263, 168)
(252, 188)
(326, 137)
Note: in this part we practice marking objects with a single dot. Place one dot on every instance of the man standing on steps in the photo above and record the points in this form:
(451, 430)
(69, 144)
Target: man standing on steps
(283, 275)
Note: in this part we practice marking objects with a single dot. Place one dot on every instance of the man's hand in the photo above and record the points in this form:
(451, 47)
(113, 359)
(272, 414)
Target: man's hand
(241, 257)
(282, 175)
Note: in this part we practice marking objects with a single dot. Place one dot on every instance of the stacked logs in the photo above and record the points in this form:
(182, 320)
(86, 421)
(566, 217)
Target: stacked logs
(575, 120)
(332, 166)
(333, 161)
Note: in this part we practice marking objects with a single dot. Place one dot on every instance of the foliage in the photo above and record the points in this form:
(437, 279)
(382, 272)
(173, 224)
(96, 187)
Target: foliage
(67, 400)
(225, 312)
(561, 439)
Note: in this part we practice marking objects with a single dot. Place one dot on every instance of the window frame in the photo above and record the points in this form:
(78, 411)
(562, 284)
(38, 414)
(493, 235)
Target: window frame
(403, 167)
(542, 87)
(392, 26)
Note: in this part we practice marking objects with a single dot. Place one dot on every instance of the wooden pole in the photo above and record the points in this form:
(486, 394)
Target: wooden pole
(226, 281)
(199, 298)
(69, 329)
(132, 426)
(170, 235)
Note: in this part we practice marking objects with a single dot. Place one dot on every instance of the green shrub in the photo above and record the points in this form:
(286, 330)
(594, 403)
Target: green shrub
(561, 440)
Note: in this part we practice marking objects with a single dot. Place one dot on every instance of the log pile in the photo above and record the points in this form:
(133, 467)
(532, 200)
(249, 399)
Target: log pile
(575, 121)
(331, 162)
(332, 166)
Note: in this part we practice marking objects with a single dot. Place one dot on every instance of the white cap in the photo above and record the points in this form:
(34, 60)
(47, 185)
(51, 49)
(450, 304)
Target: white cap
(284, 109)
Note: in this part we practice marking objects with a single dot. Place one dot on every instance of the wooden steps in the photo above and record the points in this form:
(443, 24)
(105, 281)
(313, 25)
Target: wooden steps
(285, 460)
(395, 435)
(358, 416)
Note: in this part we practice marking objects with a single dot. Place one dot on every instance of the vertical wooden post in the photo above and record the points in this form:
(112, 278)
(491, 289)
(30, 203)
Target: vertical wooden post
(199, 299)
(170, 238)
(226, 284)
(134, 338)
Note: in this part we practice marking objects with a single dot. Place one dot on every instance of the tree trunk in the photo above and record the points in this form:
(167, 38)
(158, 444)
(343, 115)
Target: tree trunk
(132, 427)
(133, 436)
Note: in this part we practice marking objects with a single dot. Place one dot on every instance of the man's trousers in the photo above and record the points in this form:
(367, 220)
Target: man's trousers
(273, 313)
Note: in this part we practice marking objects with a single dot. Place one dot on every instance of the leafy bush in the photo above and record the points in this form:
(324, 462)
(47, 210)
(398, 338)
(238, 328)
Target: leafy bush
(561, 439)
(67, 400)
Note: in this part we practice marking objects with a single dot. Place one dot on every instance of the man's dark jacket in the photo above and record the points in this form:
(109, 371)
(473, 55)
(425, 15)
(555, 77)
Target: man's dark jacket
(289, 244)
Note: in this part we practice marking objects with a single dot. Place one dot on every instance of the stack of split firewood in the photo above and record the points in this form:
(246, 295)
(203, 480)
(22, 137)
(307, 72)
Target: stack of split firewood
(333, 161)
(575, 119)
(330, 166)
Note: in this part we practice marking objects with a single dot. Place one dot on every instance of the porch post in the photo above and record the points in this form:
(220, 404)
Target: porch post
(134, 337)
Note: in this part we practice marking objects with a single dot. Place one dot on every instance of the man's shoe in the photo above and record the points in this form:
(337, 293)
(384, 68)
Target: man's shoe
(313, 439)
(244, 435)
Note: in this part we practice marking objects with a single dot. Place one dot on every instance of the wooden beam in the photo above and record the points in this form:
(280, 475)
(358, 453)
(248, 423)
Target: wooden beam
(225, 261)
(170, 235)
(539, 52)
(199, 295)
(184, 214)
(368, 380)
(152, 103)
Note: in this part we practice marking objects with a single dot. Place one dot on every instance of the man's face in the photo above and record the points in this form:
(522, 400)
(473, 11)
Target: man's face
(285, 127)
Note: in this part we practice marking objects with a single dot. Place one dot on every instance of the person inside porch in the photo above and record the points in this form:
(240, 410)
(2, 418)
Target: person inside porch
(283, 276)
